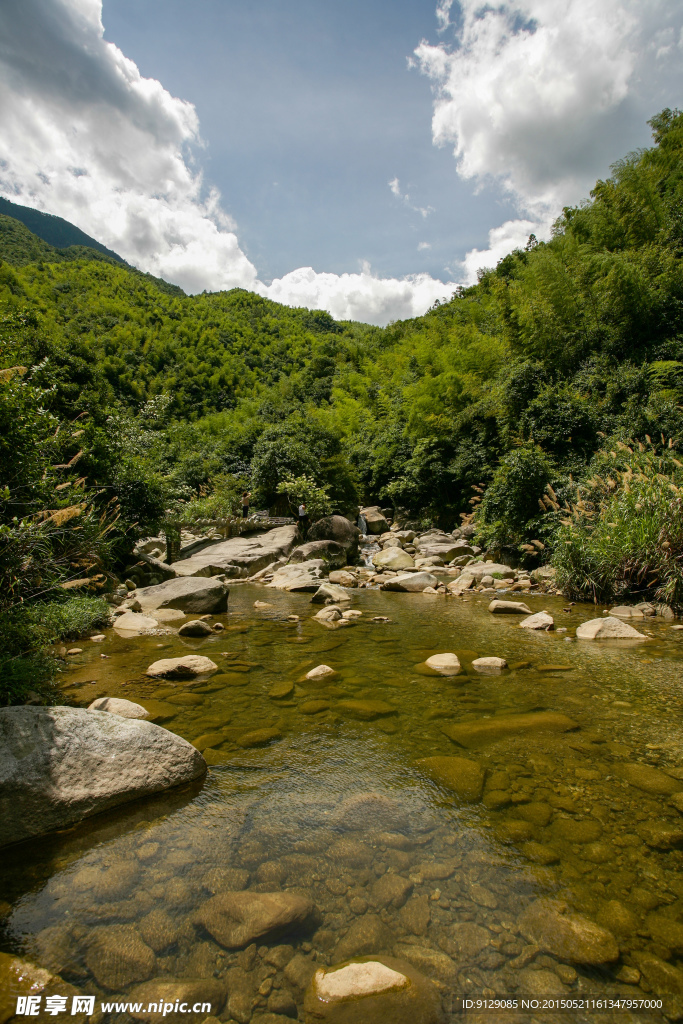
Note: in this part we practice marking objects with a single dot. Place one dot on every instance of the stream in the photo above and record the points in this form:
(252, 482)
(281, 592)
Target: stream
(332, 802)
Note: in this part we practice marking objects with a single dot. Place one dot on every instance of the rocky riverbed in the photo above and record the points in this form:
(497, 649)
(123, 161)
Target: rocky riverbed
(506, 820)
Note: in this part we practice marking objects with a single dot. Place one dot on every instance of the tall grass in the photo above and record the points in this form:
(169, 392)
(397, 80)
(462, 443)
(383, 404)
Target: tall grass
(621, 535)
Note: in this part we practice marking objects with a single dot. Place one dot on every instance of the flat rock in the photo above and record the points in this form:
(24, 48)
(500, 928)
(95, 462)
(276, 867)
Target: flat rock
(411, 583)
(489, 666)
(201, 596)
(467, 939)
(119, 706)
(477, 571)
(541, 620)
(648, 779)
(661, 976)
(59, 765)
(459, 586)
(372, 991)
(250, 552)
(489, 730)
(393, 558)
(548, 924)
(445, 664)
(258, 737)
(304, 578)
(364, 811)
(391, 891)
(431, 962)
(607, 628)
(622, 611)
(195, 627)
(134, 624)
(342, 578)
(235, 919)
(365, 709)
(189, 667)
(509, 608)
(458, 774)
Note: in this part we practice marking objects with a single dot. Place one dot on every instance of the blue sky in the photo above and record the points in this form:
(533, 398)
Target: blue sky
(308, 110)
(360, 157)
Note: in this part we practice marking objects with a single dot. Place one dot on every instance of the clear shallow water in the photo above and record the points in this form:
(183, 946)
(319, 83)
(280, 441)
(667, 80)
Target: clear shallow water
(335, 802)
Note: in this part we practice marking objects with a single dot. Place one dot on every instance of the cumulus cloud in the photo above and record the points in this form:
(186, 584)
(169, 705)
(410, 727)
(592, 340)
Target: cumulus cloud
(540, 96)
(84, 135)
(362, 296)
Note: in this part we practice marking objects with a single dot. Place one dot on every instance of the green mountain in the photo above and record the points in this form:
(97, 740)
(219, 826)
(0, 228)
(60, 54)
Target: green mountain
(54, 230)
(512, 385)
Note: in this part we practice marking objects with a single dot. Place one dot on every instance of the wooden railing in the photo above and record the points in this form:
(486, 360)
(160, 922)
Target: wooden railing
(228, 526)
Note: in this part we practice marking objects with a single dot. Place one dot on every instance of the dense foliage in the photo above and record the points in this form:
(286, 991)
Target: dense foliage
(508, 389)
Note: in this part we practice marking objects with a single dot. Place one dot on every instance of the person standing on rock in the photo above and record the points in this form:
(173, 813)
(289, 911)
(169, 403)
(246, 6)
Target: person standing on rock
(303, 519)
(246, 495)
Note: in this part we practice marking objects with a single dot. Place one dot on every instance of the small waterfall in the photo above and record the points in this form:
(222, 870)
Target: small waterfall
(362, 525)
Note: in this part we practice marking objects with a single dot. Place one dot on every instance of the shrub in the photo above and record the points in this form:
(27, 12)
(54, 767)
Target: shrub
(622, 535)
(509, 510)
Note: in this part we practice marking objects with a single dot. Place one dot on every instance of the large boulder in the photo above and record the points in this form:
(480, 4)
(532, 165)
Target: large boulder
(333, 554)
(607, 628)
(303, 577)
(189, 667)
(236, 919)
(411, 582)
(445, 548)
(202, 596)
(477, 570)
(330, 593)
(59, 765)
(132, 624)
(340, 530)
(374, 519)
(250, 553)
(393, 558)
(372, 990)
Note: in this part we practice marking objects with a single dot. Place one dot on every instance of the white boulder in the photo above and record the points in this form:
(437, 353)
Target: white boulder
(119, 706)
(541, 620)
(446, 664)
(608, 628)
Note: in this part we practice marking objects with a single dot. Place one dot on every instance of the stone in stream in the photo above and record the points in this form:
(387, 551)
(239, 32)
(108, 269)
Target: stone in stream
(607, 628)
(339, 529)
(477, 571)
(412, 583)
(466, 940)
(117, 957)
(258, 737)
(250, 552)
(650, 780)
(365, 933)
(431, 962)
(280, 690)
(662, 835)
(119, 706)
(329, 614)
(444, 664)
(549, 925)
(661, 976)
(195, 627)
(489, 666)
(134, 624)
(320, 671)
(489, 730)
(330, 593)
(541, 620)
(666, 932)
(167, 992)
(374, 519)
(236, 919)
(20, 978)
(332, 554)
(189, 667)
(393, 558)
(189, 594)
(623, 611)
(365, 710)
(463, 777)
(59, 765)
(390, 890)
(313, 707)
(459, 586)
(342, 578)
(372, 990)
(362, 811)
(304, 577)
(509, 608)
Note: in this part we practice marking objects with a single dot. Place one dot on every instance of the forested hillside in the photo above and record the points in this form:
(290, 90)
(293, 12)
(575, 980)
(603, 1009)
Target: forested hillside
(513, 396)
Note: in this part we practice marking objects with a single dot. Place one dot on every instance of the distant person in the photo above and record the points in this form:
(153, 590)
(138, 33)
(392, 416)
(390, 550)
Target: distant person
(246, 495)
(303, 519)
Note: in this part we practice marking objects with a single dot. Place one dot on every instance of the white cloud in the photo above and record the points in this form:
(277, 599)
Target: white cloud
(540, 96)
(421, 246)
(513, 234)
(395, 186)
(85, 136)
(375, 300)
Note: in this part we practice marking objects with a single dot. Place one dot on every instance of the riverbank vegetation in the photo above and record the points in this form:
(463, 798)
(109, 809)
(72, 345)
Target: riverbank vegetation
(121, 398)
